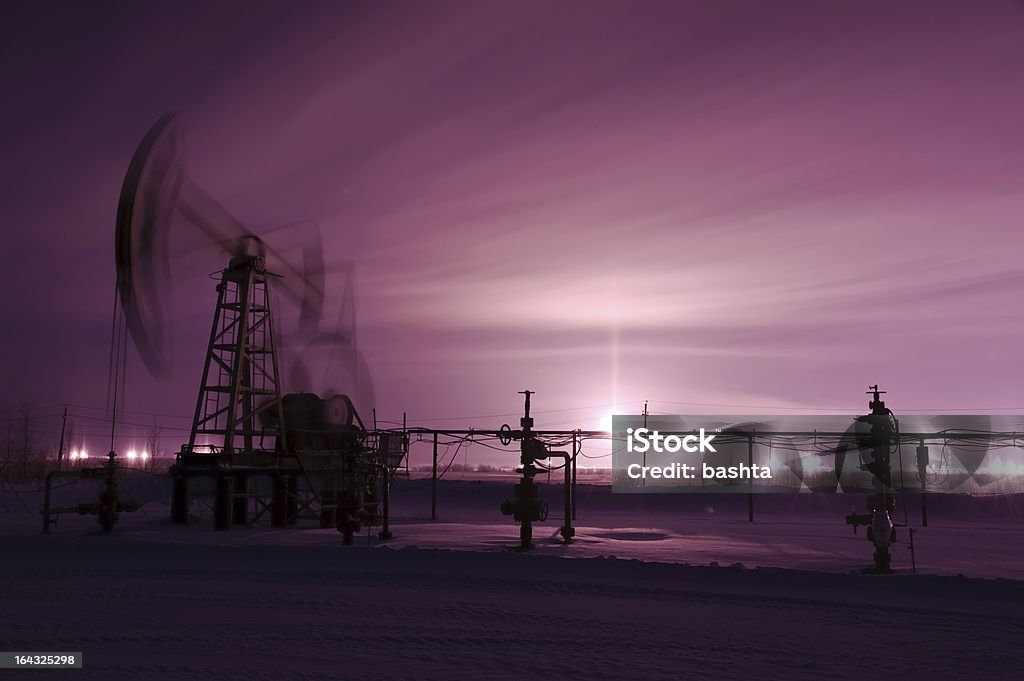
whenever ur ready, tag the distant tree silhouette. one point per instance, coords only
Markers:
(27, 443)
(153, 444)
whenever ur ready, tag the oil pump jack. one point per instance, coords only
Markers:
(247, 431)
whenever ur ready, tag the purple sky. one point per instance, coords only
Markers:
(728, 203)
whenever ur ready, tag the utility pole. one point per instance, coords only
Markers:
(60, 447)
(643, 480)
(433, 483)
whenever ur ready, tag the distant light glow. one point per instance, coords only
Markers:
(144, 455)
(132, 455)
(606, 422)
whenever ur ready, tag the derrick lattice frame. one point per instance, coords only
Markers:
(241, 380)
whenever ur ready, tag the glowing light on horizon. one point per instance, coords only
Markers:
(605, 425)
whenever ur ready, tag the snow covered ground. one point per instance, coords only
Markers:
(636, 597)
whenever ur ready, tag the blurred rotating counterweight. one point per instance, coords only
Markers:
(159, 202)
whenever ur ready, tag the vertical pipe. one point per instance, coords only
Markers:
(385, 532)
(750, 463)
(574, 454)
(279, 501)
(913, 555)
(922, 473)
(433, 484)
(108, 497)
(924, 505)
(179, 496)
(240, 500)
(46, 505)
(293, 499)
(222, 503)
(405, 445)
(567, 512)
